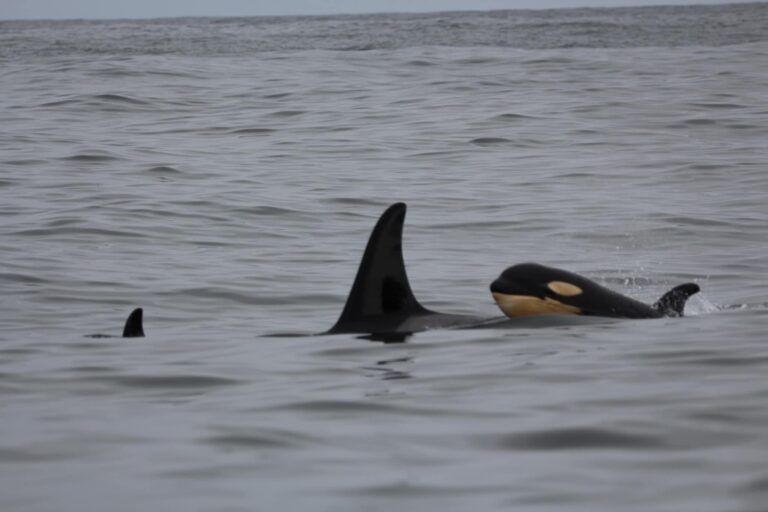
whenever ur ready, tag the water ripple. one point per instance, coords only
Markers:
(581, 438)
(92, 157)
(490, 141)
(161, 382)
(258, 438)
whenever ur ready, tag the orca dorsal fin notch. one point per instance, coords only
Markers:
(134, 325)
(381, 288)
(673, 302)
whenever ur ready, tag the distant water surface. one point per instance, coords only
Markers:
(225, 174)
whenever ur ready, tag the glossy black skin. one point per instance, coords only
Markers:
(382, 305)
(381, 299)
(531, 279)
(134, 325)
(133, 328)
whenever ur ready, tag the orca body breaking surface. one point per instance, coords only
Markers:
(530, 289)
(134, 324)
(381, 301)
(133, 328)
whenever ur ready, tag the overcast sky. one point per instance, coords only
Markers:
(63, 9)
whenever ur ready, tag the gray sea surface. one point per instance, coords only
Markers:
(224, 174)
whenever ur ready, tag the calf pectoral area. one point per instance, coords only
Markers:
(528, 305)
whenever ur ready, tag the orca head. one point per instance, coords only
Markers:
(530, 289)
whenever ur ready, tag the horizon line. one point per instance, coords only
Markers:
(682, 3)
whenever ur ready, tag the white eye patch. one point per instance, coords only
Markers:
(564, 289)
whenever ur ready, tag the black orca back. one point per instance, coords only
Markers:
(381, 295)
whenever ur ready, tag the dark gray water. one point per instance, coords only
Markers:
(225, 173)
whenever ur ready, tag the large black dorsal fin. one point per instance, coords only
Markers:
(381, 288)
(134, 325)
(673, 302)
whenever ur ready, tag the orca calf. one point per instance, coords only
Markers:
(530, 289)
(134, 326)
(382, 305)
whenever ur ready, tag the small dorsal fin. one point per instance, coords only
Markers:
(381, 287)
(672, 303)
(134, 325)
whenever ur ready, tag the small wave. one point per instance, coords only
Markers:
(22, 278)
(253, 131)
(63, 222)
(677, 354)
(77, 231)
(702, 358)
(96, 99)
(699, 121)
(93, 369)
(259, 438)
(576, 439)
(743, 126)
(92, 346)
(287, 335)
(229, 295)
(694, 221)
(419, 63)
(552, 60)
(511, 117)
(163, 170)
(166, 381)
(350, 406)
(700, 305)
(726, 361)
(384, 373)
(91, 157)
(758, 486)
(204, 131)
(706, 167)
(751, 306)
(26, 161)
(178, 74)
(60, 103)
(267, 211)
(288, 113)
(400, 490)
(338, 406)
(362, 48)
(477, 60)
(18, 351)
(35, 454)
(498, 224)
(489, 141)
(117, 98)
(702, 121)
(435, 154)
(352, 201)
(716, 105)
(570, 175)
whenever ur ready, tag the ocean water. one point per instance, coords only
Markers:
(224, 174)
